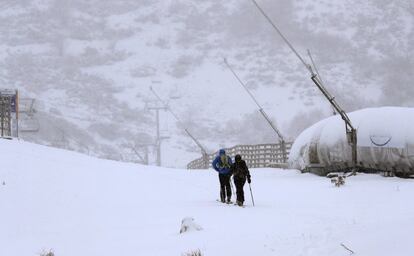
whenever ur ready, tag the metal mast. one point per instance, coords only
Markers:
(320, 78)
(203, 151)
(266, 117)
(350, 130)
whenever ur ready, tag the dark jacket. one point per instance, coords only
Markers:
(239, 169)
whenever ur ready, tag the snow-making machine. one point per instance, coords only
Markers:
(282, 140)
(383, 143)
(351, 133)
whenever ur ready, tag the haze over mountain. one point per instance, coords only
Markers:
(89, 65)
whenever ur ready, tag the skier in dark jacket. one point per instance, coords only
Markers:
(222, 164)
(240, 174)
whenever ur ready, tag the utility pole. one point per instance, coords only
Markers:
(266, 117)
(351, 132)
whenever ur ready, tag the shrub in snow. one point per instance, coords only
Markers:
(338, 181)
(193, 253)
(337, 178)
(188, 224)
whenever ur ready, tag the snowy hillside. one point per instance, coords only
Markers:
(78, 205)
(89, 66)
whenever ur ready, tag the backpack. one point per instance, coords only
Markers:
(224, 162)
(239, 169)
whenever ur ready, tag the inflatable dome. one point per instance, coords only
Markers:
(385, 143)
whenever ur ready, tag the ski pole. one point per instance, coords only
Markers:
(231, 184)
(251, 193)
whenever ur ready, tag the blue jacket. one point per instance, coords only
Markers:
(218, 165)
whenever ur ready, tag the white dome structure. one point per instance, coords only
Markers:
(385, 143)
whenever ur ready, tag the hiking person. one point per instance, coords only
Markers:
(222, 164)
(240, 174)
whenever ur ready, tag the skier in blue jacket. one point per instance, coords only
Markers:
(222, 164)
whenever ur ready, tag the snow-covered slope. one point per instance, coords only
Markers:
(78, 205)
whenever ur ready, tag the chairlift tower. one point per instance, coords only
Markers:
(159, 137)
(9, 113)
(5, 116)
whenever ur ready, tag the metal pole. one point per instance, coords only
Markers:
(146, 155)
(9, 121)
(282, 36)
(157, 111)
(2, 114)
(159, 138)
(232, 187)
(242, 84)
(266, 117)
(17, 113)
(350, 130)
(251, 193)
(319, 76)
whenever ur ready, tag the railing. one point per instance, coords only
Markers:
(256, 156)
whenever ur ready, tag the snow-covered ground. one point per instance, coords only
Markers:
(78, 205)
